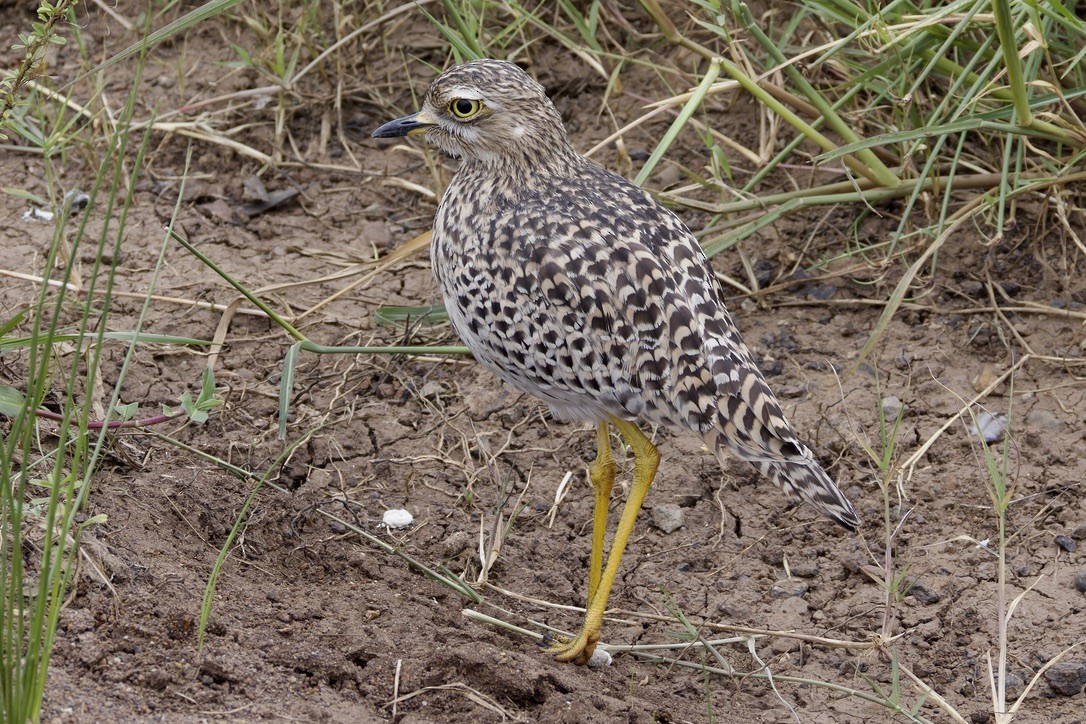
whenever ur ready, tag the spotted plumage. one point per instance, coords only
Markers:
(578, 287)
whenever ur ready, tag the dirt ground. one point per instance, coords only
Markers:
(313, 623)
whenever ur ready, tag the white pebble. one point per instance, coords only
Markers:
(988, 426)
(398, 518)
(600, 658)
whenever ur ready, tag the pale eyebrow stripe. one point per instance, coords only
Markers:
(465, 92)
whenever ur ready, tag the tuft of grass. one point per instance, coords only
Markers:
(49, 457)
(908, 91)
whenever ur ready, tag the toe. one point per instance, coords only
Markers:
(579, 650)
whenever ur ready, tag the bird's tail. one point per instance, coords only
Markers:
(749, 421)
(805, 480)
(789, 464)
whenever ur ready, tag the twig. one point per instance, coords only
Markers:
(396, 688)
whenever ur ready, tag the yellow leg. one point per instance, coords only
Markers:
(602, 477)
(646, 460)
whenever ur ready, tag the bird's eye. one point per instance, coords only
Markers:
(465, 107)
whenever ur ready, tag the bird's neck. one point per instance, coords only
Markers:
(513, 174)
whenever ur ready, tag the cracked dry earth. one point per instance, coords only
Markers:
(313, 623)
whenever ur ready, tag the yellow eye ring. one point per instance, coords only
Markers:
(464, 107)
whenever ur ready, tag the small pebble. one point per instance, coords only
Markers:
(984, 379)
(398, 518)
(431, 390)
(891, 406)
(1068, 678)
(1080, 581)
(821, 292)
(792, 606)
(1066, 543)
(456, 544)
(600, 659)
(924, 595)
(1040, 419)
(668, 517)
(988, 426)
(788, 587)
(803, 569)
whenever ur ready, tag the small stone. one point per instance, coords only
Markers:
(788, 587)
(821, 292)
(803, 569)
(794, 606)
(600, 659)
(1066, 543)
(789, 392)
(1080, 581)
(376, 233)
(984, 379)
(398, 518)
(456, 544)
(891, 407)
(668, 517)
(217, 671)
(1067, 678)
(1079, 533)
(1041, 419)
(924, 595)
(431, 390)
(988, 426)
(1015, 683)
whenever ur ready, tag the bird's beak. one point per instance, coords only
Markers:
(411, 125)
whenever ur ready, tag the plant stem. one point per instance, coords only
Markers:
(1015, 79)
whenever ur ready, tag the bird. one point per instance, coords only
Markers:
(576, 286)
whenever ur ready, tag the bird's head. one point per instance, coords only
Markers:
(485, 110)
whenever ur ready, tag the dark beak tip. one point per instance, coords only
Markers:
(400, 127)
(389, 130)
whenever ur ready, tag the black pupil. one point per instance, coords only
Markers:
(464, 107)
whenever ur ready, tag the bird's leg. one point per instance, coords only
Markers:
(646, 460)
(602, 477)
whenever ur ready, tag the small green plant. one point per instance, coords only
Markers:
(34, 45)
(120, 416)
(49, 459)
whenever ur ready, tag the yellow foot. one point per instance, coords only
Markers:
(578, 650)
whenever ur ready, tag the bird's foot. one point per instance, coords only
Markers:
(578, 650)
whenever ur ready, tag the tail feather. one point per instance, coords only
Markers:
(807, 481)
(749, 421)
(779, 456)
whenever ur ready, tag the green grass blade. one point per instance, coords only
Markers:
(431, 314)
(186, 21)
(680, 122)
(286, 387)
